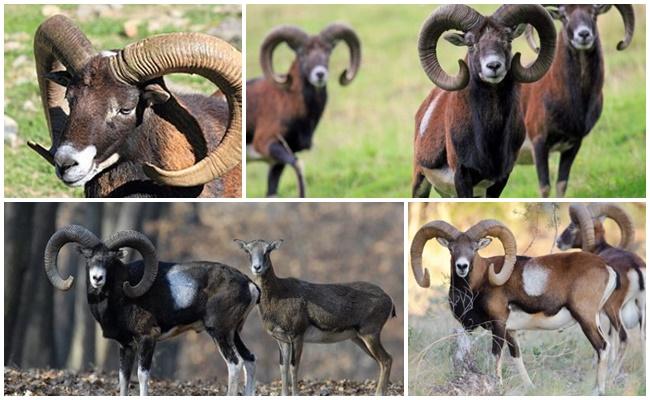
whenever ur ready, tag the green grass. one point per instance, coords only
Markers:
(363, 144)
(558, 362)
(26, 173)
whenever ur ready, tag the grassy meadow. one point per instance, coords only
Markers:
(558, 362)
(26, 173)
(363, 144)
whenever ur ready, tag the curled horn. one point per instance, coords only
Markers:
(71, 233)
(192, 53)
(513, 15)
(337, 31)
(449, 17)
(143, 245)
(292, 36)
(434, 229)
(619, 216)
(498, 230)
(582, 217)
(58, 45)
(627, 12)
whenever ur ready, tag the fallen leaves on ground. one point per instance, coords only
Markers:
(47, 382)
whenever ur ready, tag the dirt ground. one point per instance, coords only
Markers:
(48, 382)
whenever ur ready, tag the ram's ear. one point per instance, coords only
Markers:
(602, 8)
(84, 251)
(554, 12)
(155, 93)
(241, 244)
(121, 253)
(457, 39)
(62, 78)
(274, 245)
(443, 242)
(483, 243)
(519, 30)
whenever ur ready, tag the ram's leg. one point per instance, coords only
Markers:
(421, 187)
(515, 353)
(622, 345)
(127, 356)
(385, 361)
(275, 171)
(540, 154)
(592, 329)
(609, 325)
(299, 168)
(639, 303)
(249, 365)
(495, 190)
(498, 341)
(285, 360)
(296, 354)
(463, 182)
(566, 161)
(225, 343)
(146, 348)
(282, 154)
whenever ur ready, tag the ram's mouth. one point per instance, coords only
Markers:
(582, 44)
(75, 177)
(492, 78)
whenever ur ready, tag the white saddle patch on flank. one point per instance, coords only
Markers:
(424, 124)
(535, 278)
(182, 286)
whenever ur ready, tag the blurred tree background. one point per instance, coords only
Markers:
(47, 328)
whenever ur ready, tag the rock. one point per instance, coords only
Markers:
(28, 105)
(89, 11)
(227, 9)
(13, 46)
(20, 60)
(11, 132)
(130, 28)
(229, 30)
(175, 13)
(50, 9)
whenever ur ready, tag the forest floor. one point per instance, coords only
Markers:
(47, 382)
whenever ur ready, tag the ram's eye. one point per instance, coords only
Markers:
(126, 111)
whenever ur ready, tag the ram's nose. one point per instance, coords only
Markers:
(584, 34)
(494, 65)
(64, 163)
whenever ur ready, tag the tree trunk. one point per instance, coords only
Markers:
(36, 332)
(18, 232)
